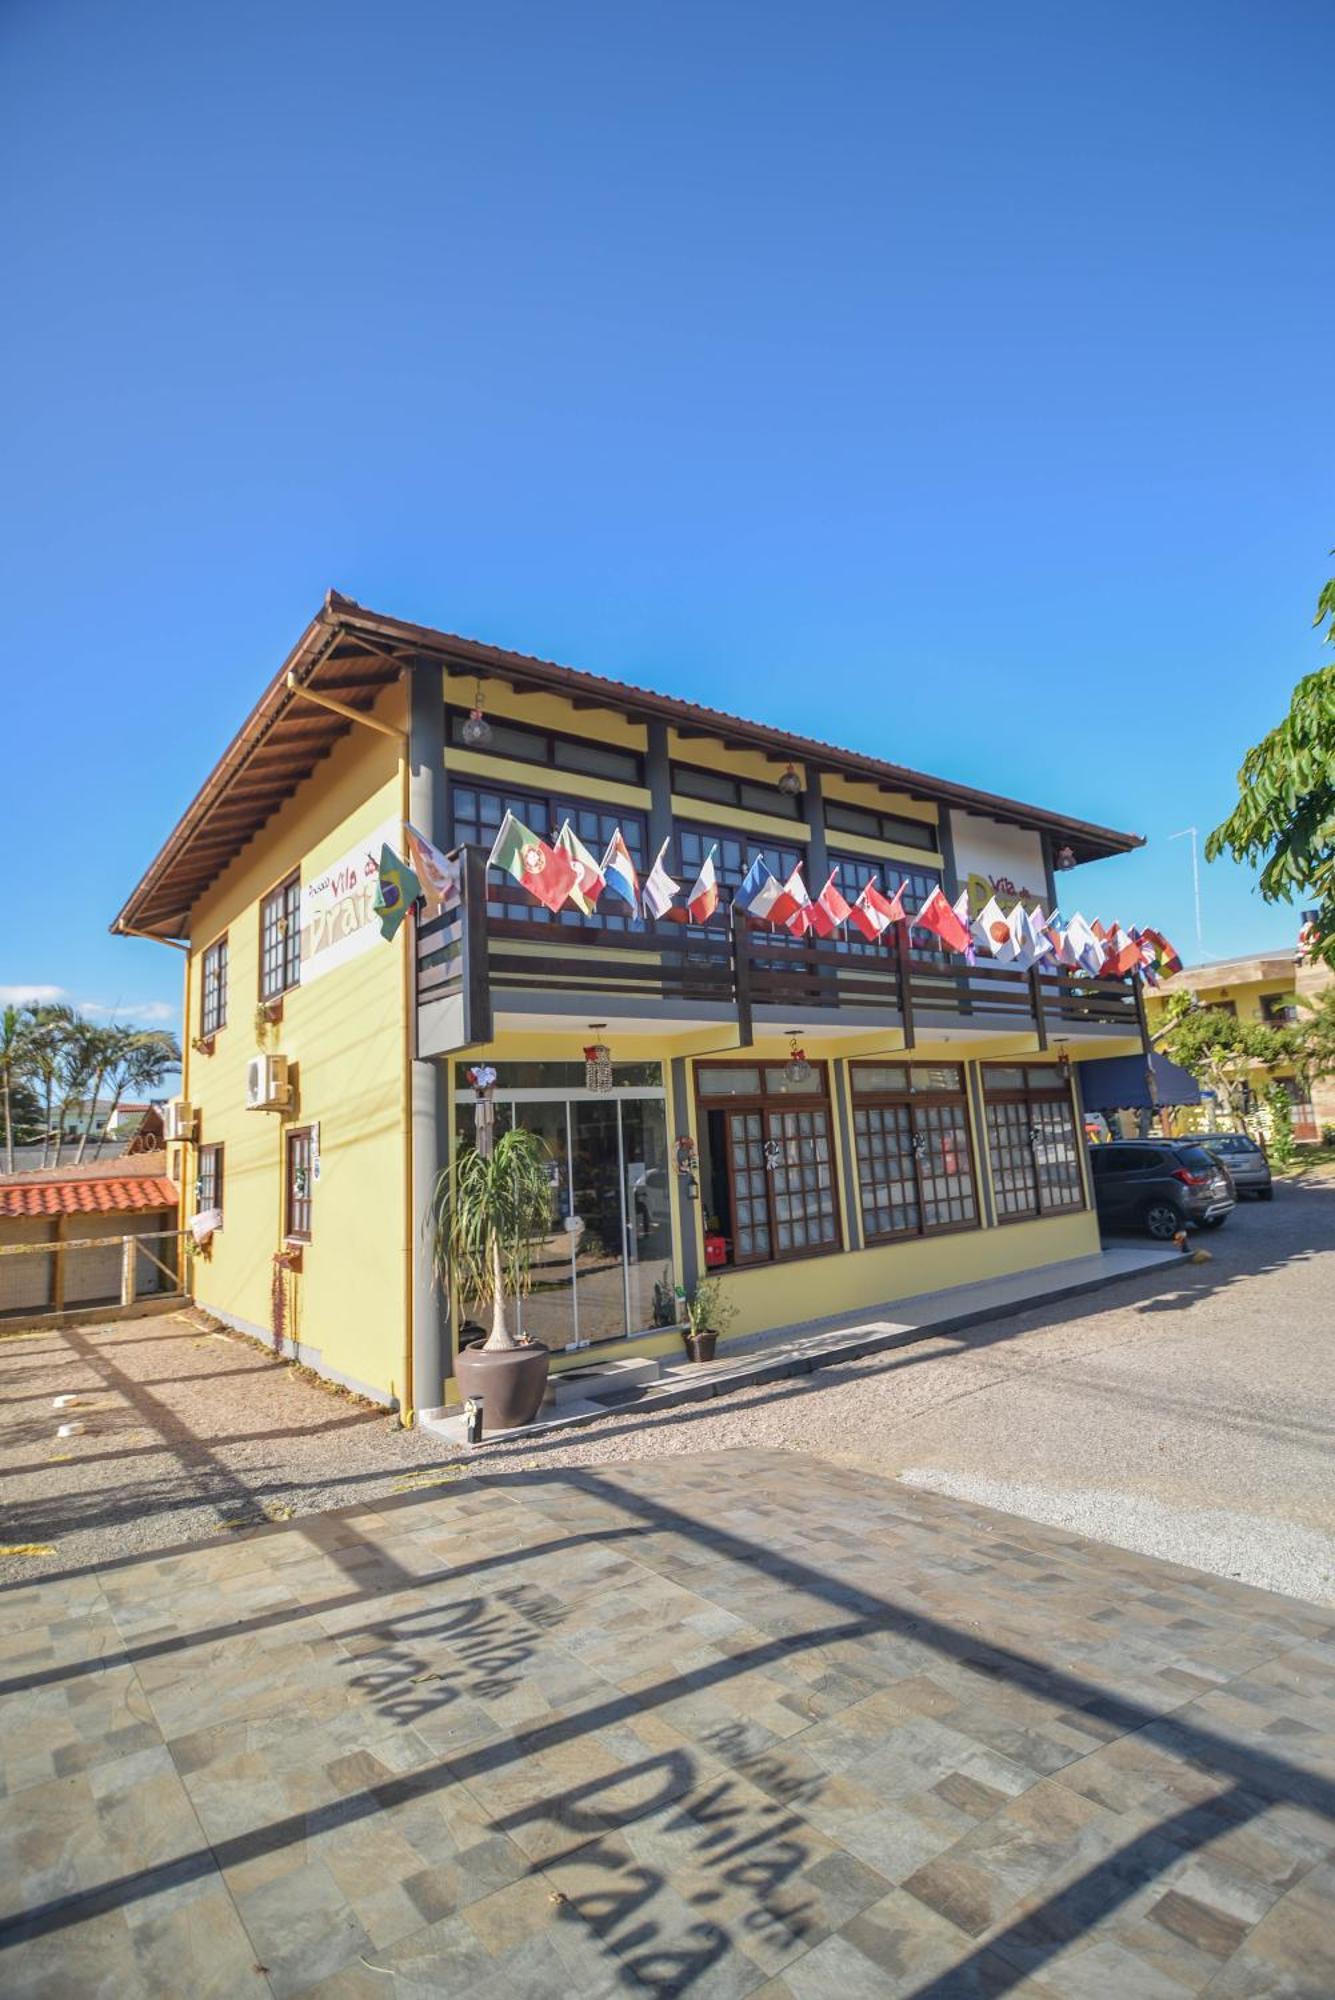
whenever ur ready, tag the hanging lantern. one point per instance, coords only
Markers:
(598, 1065)
(476, 731)
(483, 1079)
(797, 1069)
(790, 784)
(1064, 858)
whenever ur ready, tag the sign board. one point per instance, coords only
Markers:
(338, 919)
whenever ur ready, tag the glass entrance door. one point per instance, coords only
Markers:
(604, 1267)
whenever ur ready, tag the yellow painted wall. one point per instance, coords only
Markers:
(546, 711)
(346, 1033)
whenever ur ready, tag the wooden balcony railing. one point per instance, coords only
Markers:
(468, 959)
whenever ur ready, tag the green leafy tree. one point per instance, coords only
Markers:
(487, 1215)
(1284, 820)
(1280, 1107)
(1230, 1057)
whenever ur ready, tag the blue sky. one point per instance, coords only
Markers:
(949, 381)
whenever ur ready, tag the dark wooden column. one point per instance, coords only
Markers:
(429, 811)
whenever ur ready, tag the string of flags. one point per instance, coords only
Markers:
(563, 872)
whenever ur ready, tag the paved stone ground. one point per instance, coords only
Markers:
(1188, 1414)
(722, 1725)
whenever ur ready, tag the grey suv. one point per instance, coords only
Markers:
(1159, 1187)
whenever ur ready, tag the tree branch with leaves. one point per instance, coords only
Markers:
(1284, 821)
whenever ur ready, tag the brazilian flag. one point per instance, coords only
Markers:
(396, 892)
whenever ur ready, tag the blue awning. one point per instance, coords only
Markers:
(1119, 1083)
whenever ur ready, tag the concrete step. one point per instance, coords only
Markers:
(601, 1378)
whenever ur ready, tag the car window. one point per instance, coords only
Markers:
(1194, 1157)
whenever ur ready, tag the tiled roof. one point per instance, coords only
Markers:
(353, 655)
(100, 1194)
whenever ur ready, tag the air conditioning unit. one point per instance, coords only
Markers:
(267, 1087)
(179, 1124)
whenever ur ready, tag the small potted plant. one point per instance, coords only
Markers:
(709, 1313)
(491, 1208)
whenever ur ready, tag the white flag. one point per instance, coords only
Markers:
(1087, 949)
(992, 931)
(659, 887)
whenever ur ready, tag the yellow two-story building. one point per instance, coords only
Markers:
(1258, 989)
(825, 1125)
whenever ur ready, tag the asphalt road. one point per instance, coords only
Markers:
(1190, 1417)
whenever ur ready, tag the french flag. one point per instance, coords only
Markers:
(618, 873)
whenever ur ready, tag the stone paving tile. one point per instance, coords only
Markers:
(740, 1725)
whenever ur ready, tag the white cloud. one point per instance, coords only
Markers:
(132, 1013)
(30, 996)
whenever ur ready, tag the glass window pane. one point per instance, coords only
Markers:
(886, 1079)
(729, 1080)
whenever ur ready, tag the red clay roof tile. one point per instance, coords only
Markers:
(126, 1195)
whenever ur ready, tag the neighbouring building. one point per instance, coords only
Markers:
(1261, 989)
(827, 1127)
(63, 1231)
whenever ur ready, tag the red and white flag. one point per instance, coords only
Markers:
(830, 909)
(798, 920)
(703, 899)
(870, 913)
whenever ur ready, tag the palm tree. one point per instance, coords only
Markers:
(15, 1060)
(486, 1216)
(103, 1047)
(48, 1023)
(76, 1063)
(145, 1057)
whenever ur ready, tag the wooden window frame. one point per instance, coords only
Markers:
(287, 895)
(292, 1201)
(821, 1100)
(911, 1099)
(215, 954)
(768, 800)
(457, 714)
(1060, 1092)
(892, 828)
(215, 1155)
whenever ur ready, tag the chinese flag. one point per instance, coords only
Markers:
(937, 916)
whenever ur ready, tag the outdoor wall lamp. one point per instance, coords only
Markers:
(1064, 858)
(790, 784)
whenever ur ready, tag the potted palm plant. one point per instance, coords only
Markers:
(709, 1312)
(488, 1211)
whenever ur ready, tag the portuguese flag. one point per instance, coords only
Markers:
(548, 873)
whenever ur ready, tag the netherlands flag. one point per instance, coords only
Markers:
(618, 873)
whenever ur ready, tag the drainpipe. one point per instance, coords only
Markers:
(428, 1360)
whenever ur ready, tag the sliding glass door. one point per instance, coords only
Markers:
(604, 1269)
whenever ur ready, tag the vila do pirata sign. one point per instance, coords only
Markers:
(338, 919)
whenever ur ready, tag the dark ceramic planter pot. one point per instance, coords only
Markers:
(510, 1383)
(699, 1346)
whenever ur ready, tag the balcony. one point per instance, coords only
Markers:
(480, 971)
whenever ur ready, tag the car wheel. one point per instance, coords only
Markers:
(1163, 1221)
(1265, 1194)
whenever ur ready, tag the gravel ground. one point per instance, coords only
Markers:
(188, 1432)
(1191, 1418)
